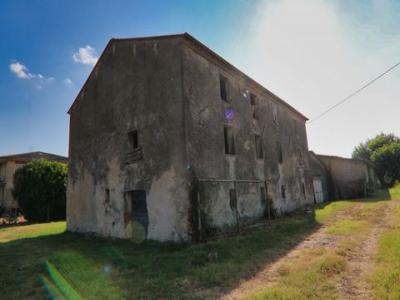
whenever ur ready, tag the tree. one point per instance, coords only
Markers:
(383, 152)
(40, 188)
(387, 163)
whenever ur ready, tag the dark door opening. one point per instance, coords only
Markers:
(138, 213)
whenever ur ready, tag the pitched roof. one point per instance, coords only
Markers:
(200, 46)
(26, 157)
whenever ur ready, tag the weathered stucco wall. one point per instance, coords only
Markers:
(206, 114)
(135, 86)
(170, 93)
(348, 178)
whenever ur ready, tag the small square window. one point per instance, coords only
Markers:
(223, 88)
(133, 139)
(259, 146)
(229, 140)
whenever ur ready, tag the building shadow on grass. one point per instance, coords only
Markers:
(88, 267)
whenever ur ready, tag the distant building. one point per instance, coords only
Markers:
(8, 165)
(320, 177)
(340, 178)
(169, 141)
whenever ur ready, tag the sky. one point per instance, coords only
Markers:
(311, 53)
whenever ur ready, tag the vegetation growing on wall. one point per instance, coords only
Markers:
(384, 152)
(40, 188)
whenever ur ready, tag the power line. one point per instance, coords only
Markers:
(354, 93)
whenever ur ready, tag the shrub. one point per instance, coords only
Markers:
(40, 188)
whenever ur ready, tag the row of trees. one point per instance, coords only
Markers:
(40, 188)
(383, 151)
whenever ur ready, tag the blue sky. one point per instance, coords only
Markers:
(311, 53)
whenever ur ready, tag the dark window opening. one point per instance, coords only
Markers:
(283, 192)
(223, 89)
(259, 147)
(138, 213)
(280, 154)
(253, 99)
(263, 196)
(303, 188)
(232, 199)
(107, 196)
(133, 139)
(229, 140)
(275, 115)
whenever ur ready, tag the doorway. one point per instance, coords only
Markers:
(137, 214)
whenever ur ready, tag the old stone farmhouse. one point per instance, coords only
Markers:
(169, 141)
(8, 165)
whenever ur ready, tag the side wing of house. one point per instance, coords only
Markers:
(348, 177)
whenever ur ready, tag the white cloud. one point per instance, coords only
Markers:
(20, 70)
(68, 82)
(86, 55)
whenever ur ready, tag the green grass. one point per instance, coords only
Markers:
(347, 227)
(8, 234)
(386, 278)
(309, 277)
(327, 211)
(42, 261)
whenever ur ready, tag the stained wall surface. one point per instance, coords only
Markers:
(348, 178)
(136, 86)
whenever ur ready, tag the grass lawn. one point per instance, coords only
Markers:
(43, 261)
(386, 278)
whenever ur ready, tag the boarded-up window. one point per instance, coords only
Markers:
(223, 88)
(229, 140)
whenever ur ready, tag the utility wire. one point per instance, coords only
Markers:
(354, 93)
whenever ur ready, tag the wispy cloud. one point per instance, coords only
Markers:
(86, 55)
(22, 72)
(68, 82)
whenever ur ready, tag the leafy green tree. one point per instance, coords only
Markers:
(383, 152)
(40, 188)
(387, 163)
